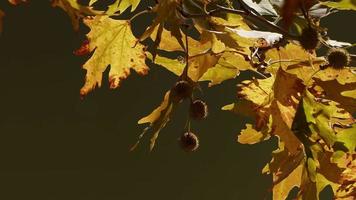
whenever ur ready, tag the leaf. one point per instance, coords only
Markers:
(269, 37)
(277, 98)
(169, 43)
(286, 170)
(75, 10)
(263, 7)
(113, 44)
(338, 44)
(157, 119)
(341, 5)
(325, 118)
(166, 13)
(282, 189)
(348, 138)
(249, 135)
(349, 93)
(342, 76)
(335, 91)
(119, 6)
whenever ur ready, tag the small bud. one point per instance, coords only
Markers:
(309, 39)
(198, 110)
(182, 89)
(189, 142)
(338, 58)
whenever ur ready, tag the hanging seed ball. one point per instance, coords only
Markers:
(189, 142)
(182, 89)
(338, 58)
(198, 110)
(309, 39)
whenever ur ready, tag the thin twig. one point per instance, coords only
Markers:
(141, 13)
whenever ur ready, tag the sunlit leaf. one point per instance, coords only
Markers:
(341, 5)
(113, 44)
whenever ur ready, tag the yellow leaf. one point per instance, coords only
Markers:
(157, 119)
(113, 44)
(343, 94)
(343, 76)
(156, 114)
(249, 135)
(282, 189)
(170, 43)
(119, 6)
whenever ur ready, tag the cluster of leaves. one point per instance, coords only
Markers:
(304, 99)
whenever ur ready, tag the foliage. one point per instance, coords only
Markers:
(298, 94)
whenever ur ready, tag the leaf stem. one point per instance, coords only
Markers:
(185, 71)
(140, 13)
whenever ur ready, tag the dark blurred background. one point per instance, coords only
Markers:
(55, 146)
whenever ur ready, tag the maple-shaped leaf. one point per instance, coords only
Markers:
(166, 13)
(113, 44)
(167, 42)
(275, 98)
(75, 10)
(218, 32)
(158, 119)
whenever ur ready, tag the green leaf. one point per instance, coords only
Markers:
(341, 5)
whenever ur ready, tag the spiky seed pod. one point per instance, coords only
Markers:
(198, 110)
(189, 142)
(338, 58)
(182, 89)
(309, 39)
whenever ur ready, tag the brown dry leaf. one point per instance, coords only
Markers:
(113, 44)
